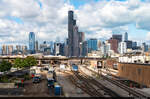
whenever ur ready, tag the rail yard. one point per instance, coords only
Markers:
(75, 80)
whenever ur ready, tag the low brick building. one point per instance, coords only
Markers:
(136, 72)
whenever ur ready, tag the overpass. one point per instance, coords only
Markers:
(50, 59)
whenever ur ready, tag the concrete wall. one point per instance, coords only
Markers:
(136, 72)
(7, 85)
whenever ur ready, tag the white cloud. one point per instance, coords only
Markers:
(98, 19)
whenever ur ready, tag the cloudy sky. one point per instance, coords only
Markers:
(97, 18)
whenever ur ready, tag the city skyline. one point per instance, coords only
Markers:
(15, 24)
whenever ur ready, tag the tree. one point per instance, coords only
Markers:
(5, 66)
(18, 63)
(27, 62)
(31, 61)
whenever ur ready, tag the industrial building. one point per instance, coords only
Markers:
(135, 72)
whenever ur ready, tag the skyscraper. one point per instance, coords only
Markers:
(10, 49)
(24, 49)
(117, 37)
(18, 48)
(92, 45)
(75, 38)
(71, 23)
(75, 51)
(84, 48)
(32, 42)
(125, 36)
(4, 49)
(36, 46)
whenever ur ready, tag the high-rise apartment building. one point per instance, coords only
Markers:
(104, 49)
(24, 49)
(114, 44)
(122, 47)
(18, 49)
(4, 49)
(10, 49)
(32, 42)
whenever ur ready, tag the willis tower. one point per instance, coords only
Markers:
(71, 24)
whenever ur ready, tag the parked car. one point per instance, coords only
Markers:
(36, 80)
(38, 75)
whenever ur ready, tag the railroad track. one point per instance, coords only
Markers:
(126, 88)
(91, 90)
(83, 84)
(101, 86)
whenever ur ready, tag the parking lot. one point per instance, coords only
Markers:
(38, 89)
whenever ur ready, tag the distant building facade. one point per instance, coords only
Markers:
(75, 38)
(32, 42)
(10, 49)
(4, 49)
(122, 47)
(114, 44)
(129, 44)
(125, 36)
(117, 37)
(92, 45)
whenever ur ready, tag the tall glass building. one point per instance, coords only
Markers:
(92, 45)
(125, 36)
(32, 42)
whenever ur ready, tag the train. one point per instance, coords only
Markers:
(99, 64)
(74, 67)
(51, 77)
